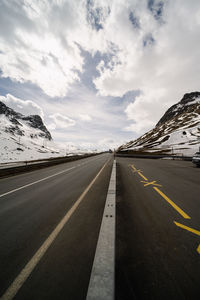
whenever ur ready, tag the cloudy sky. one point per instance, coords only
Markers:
(99, 72)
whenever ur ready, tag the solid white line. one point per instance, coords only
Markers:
(27, 270)
(45, 178)
(29, 184)
(101, 286)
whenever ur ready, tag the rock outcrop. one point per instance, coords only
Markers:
(177, 132)
(187, 104)
(34, 121)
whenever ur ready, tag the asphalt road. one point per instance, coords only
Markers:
(51, 241)
(29, 213)
(157, 258)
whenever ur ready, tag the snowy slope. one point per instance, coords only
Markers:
(24, 137)
(177, 132)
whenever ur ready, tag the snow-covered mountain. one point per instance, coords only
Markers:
(24, 137)
(177, 132)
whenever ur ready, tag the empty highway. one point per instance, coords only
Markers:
(158, 229)
(51, 219)
(32, 205)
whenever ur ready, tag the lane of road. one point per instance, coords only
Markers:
(18, 180)
(157, 239)
(29, 215)
(157, 228)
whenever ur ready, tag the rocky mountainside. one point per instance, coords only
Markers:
(24, 137)
(17, 120)
(177, 132)
(188, 104)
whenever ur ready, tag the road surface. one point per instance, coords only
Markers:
(31, 206)
(156, 257)
(51, 218)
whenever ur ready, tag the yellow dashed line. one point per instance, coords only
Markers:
(178, 209)
(188, 229)
(197, 232)
(142, 176)
(139, 172)
(136, 171)
(151, 183)
(146, 183)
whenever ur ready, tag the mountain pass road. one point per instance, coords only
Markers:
(158, 229)
(51, 248)
(51, 221)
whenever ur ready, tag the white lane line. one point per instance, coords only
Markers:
(29, 184)
(101, 286)
(45, 178)
(27, 270)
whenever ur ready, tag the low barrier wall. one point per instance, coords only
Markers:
(156, 156)
(34, 165)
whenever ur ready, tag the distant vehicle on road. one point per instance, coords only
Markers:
(196, 159)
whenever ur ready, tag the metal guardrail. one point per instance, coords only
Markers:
(156, 156)
(34, 165)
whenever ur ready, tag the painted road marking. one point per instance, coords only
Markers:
(40, 180)
(132, 166)
(142, 176)
(138, 171)
(176, 207)
(101, 286)
(197, 232)
(187, 228)
(151, 183)
(37, 181)
(146, 183)
(134, 169)
(27, 270)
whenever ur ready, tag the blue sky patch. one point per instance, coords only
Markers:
(148, 40)
(134, 20)
(96, 15)
(156, 8)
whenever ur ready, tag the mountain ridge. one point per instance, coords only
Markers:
(34, 121)
(179, 107)
(177, 132)
(24, 137)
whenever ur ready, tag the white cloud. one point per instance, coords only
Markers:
(109, 143)
(34, 48)
(145, 111)
(163, 70)
(85, 117)
(38, 49)
(60, 121)
(102, 145)
(51, 126)
(69, 147)
(151, 49)
(25, 107)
